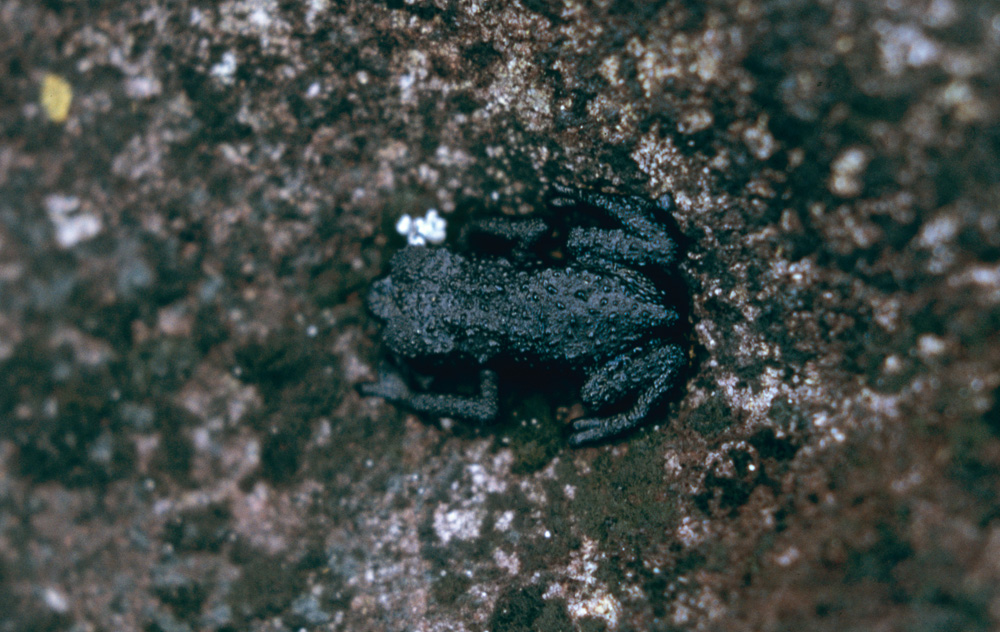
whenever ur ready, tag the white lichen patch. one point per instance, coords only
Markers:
(964, 101)
(759, 139)
(700, 608)
(708, 334)
(600, 605)
(847, 171)
(504, 521)
(255, 18)
(417, 72)
(660, 159)
(225, 69)
(55, 599)
(694, 121)
(585, 595)
(691, 532)
(490, 480)
(72, 225)
(905, 46)
(886, 312)
(985, 282)
(788, 557)
(315, 9)
(617, 122)
(507, 561)
(757, 404)
(462, 517)
(930, 346)
(421, 230)
(517, 87)
(142, 87)
(878, 405)
(457, 524)
(801, 273)
(938, 236)
(216, 396)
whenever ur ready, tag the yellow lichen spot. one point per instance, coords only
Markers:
(56, 95)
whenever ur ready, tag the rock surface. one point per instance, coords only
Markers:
(194, 196)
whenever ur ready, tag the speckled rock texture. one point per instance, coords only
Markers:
(194, 197)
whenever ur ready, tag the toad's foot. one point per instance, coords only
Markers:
(482, 407)
(390, 386)
(654, 372)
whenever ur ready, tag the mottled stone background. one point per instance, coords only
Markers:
(183, 253)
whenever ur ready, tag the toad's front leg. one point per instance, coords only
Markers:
(482, 407)
(649, 372)
(522, 234)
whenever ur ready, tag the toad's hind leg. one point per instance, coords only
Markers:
(650, 373)
(482, 407)
(642, 240)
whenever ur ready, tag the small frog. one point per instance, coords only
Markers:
(596, 309)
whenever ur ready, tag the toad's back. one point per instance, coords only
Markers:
(568, 314)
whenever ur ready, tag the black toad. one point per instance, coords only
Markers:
(596, 311)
